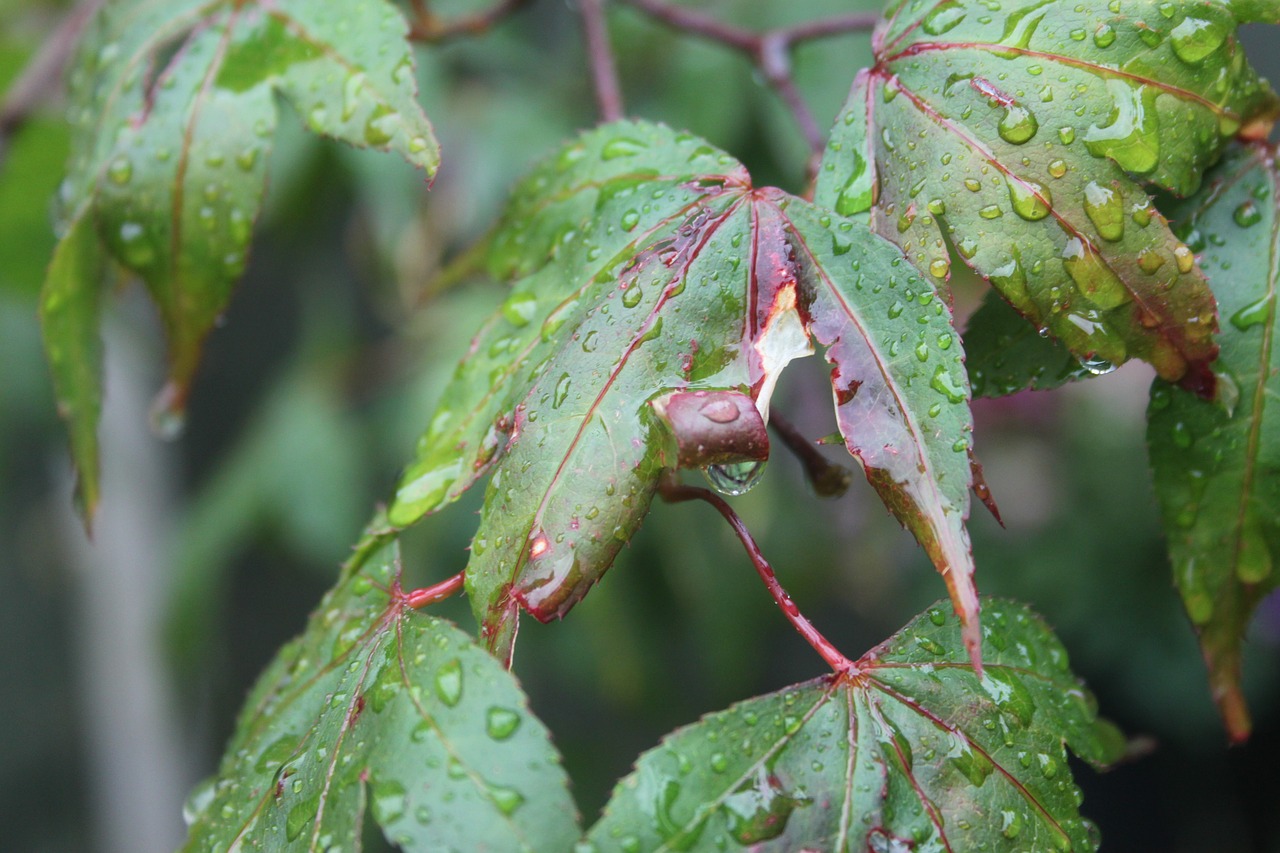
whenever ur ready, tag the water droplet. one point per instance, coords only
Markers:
(1130, 136)
(855, 195)
(501, 723)
(1185, 257)
(1104, 36)
(939, 267)
(1181, 434)
(199, 800)
(351, 99)
(380, 128)
(621, 147)
(1150, 260)
(735, 478)
(944, 18)
(1195, 38)
(1017, 125)
(1254, 314)
(519, 308)
(506, 799)
(1247, 214)
(1010, 823)
(930, 646)
(1091, 274)
(937, 617)
(632, 295)
(561, 392)
(120, 171)
(300, 817)
(387, 800)
(946, 386)
(1105, 209)
(1058, 168)
(1096, 366)
(990, 211)
(449, 682)
(759, 810)
(1031, 200)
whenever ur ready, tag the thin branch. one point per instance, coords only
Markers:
(828, 479)
(42, 77)
(770, 51)
(604, 72)
(674, 492)
(419, 598)
(426, 26)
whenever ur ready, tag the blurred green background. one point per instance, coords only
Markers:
(123, 663)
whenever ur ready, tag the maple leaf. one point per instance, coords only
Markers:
(1022, 137)
(173, 110)
(910, 751)
(645, 264)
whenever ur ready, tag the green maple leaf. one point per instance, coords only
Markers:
(173, 107)
(1023, 136)
(1217, 463)
(912, 751)
(377, 708)
(645, 264)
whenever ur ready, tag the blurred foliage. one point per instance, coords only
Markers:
(335, 348)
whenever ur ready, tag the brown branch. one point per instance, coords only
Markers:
(604, 72)
(42, 77)
(426, 26)
(828, 479)
(674, 492)
(770, 51)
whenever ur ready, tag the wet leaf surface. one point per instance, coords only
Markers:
(914, 752)
(1022, 137)
(173, 111)
(1217, 463)
(644, 263)
(378, 709)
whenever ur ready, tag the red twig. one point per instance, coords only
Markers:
(424, 25)
(419, 598)
(674, 492)
(604, 72)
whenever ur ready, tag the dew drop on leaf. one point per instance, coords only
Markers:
(1247, 214)
(1105, 210)
(501, 723)
(944, 18)
(1254, 314)
(1017, 125)
(449, 682)
(1030, 200)
(1195, 38)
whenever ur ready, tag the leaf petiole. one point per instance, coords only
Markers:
(428, 595)
(674, 491)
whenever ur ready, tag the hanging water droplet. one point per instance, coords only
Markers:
(1096, 366)
(735, 478)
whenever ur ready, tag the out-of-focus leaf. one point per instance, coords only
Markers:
(645, 263)
(377, 707)
(32, 167)
(70, 312)
(173, 108)
(912, 751)
(1021, 135)
(1217, 464)
(1005, 354)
